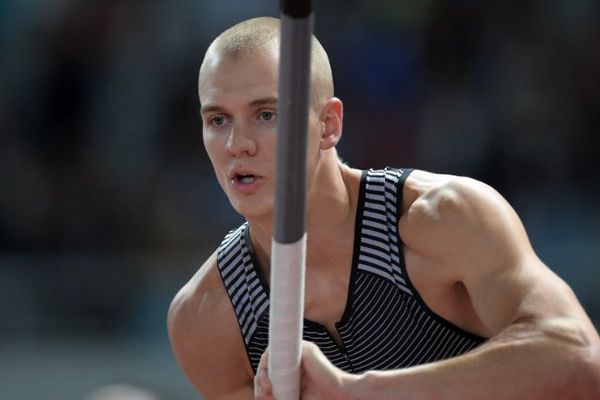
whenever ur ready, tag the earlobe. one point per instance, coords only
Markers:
(332, 116)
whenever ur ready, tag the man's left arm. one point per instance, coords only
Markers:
(543, 345)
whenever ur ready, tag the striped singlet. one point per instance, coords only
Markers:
(385, 325)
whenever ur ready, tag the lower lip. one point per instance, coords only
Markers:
(246, 188)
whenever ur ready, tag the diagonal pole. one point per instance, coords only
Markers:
(288, 251)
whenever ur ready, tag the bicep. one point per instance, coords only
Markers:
(214, 370)
(505, 279)
(208, 346)
(524, 291)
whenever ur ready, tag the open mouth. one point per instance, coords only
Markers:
(245, 179)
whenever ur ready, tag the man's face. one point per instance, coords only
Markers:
(239, 114)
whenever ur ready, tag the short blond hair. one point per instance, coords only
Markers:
(258, 34)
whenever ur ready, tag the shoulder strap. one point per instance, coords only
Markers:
(247, 295)
(380, 246)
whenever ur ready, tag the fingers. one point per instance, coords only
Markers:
(311, 354)
(262, 384)
(320, 377)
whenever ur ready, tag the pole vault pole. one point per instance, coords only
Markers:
(288, 251)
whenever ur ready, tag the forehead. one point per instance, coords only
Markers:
(225, 78)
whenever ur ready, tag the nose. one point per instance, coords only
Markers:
(240, 141)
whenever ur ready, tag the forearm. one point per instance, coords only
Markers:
(520, 363)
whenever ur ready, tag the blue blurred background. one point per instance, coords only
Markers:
(108, 202)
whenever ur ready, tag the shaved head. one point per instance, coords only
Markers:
(262, 34)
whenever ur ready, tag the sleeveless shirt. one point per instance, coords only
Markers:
(385, 325)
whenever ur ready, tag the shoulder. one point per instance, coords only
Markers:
(441, 195)
(454, 216)
(205, 336)
(190, 302)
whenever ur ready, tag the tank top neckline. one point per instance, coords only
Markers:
(353, 268)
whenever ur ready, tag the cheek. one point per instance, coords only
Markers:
(215, 154)
(212, 146)
(219, 170)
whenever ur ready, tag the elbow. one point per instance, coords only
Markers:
(578, 362)
(584, 377)
(590, 369)
(589, 365)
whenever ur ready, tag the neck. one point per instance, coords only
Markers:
(331, 207)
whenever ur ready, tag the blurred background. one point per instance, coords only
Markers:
(108, 203)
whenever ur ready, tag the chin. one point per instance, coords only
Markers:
(252, 210)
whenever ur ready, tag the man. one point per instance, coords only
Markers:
(429, 277)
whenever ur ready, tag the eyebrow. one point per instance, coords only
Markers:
(264, 102)
(255, 103)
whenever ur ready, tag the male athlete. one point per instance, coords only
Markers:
(418, 285)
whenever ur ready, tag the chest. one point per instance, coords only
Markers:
(327, 296)
(384, 327)
(331, 297)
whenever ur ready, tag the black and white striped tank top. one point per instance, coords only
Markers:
(386, 324)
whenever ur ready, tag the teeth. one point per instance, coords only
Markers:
(246, 179)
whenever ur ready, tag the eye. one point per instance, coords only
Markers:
(218, 120)
(267, 116)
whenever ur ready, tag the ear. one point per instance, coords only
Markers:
(331, 120)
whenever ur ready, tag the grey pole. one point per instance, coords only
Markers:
(288, 250)
(294, 99)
